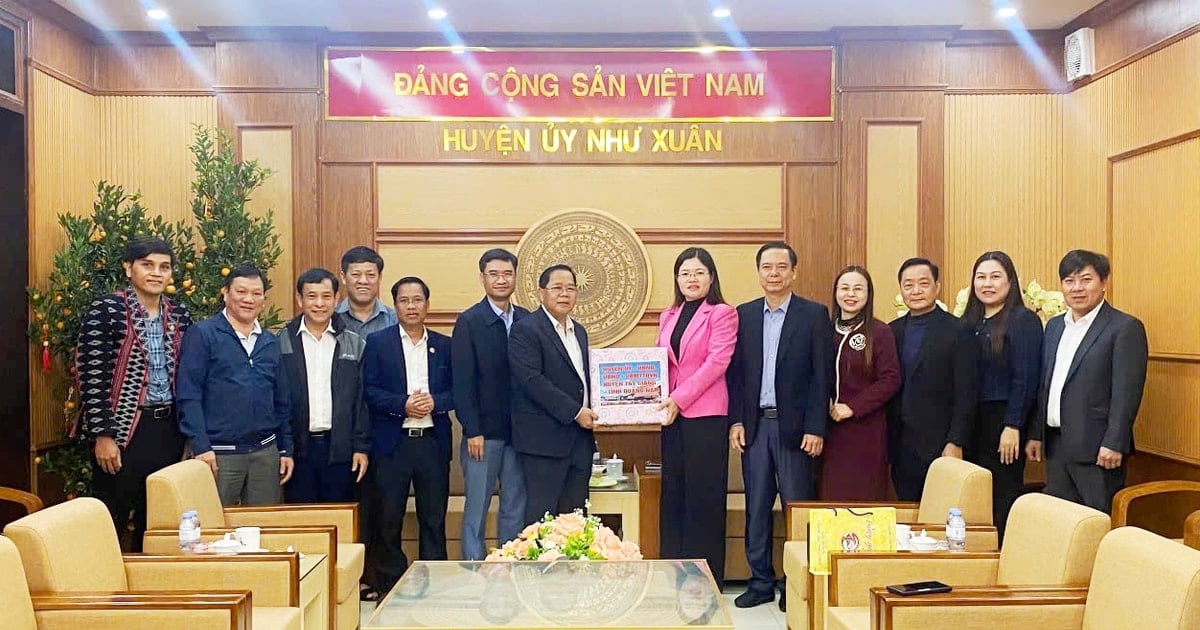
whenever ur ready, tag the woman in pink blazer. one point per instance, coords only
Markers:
(699, 332)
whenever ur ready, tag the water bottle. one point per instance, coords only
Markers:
(956, 531)
(189, 530)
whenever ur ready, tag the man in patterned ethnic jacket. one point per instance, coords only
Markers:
(128, 349)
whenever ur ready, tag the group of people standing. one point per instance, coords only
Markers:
(351, 400)
(843, 407)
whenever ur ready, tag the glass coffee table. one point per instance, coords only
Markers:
(639, 594)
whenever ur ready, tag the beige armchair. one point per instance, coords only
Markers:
(1049, 542)
(949, 483)
(71, 550)
(327, 528)
(1140, 580)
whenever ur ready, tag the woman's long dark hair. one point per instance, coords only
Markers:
(1013, 301)
(866, 316)
(706, 259)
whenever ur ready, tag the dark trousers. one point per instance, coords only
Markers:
(769, 469)
(695, 478)
(421, 462)
(908, 474)
(1008, 480)
(315, 480)
(557, 484)
(1080, 482)
(156, 444)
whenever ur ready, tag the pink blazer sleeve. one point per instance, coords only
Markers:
(697, 377)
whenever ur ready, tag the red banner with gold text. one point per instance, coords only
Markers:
(698, 85)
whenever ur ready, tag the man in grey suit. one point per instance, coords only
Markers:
(1094, 367)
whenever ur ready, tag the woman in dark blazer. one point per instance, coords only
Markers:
(1010, 344)
(699, 332)
(854, 464)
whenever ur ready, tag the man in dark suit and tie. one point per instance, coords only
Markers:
(551, 416)
(779, 391)
(407, 383)
(483, 404)
(939, 360)
(1094, 368)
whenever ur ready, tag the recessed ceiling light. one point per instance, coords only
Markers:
(1006, 12)
(157, 14)
(720, 12)
(437, 13)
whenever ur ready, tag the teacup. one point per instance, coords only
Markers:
(903, 536)
(923, 543)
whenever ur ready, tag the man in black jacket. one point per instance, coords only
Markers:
(331, 429)
(552, 417)
(931, 416)
(482, 404)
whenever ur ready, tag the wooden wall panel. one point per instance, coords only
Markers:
(1156, 225)
(353, 141)
(144, 144)
(266, 64)
(474, 197)
(347, 211)
(923, 108)
(885, 64)
(272, 148)
(1004, 188)
(1166, 423)
(1004, 68)
(154, 69)
(813, 225)
(1140, 27)
(893, 182)
(61, 51)
(299, 112)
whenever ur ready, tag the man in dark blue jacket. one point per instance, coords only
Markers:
(330, 425)
(234, 403)
(481, 402)
(407, 384)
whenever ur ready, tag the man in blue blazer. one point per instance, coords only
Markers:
(552, 417)
(779, 392)
(483, 404)
(407, 383)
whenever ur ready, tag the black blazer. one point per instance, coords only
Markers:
(482, 383)
(937, 403)
(546, 391)
(1103, 391)
(803, 370)
(351, 432)
(385, 388)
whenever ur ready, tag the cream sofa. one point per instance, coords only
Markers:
(1048, 542)
(71, 549)
(1139, 580)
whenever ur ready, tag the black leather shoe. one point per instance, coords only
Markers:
(783, 600)
(750, 599)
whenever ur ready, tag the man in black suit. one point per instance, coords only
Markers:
(407, 381)
(482, 385)
(779, 391)
(931, 416)
(551, 416)
(1094, 368)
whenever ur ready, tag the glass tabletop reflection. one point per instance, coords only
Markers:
(637, 594)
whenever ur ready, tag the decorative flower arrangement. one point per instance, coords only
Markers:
(571, 536)
(1045, 304)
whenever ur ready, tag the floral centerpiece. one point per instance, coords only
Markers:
(573, 536)
(1045, 304)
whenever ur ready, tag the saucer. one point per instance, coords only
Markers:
(602, 482)
(619, 479)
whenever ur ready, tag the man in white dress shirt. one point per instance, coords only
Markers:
(552, 418)
(1093, 371)
(331, 430)
(407, 384)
